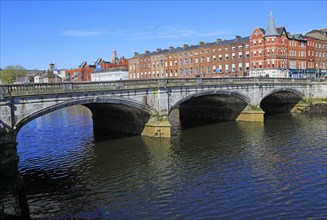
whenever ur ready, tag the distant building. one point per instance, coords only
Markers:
(84, 71)
(317, 51)
(270, 52)
(49, 76)
(112, 74)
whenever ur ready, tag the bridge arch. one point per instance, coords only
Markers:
(85, 102)
(210, 107)
(281, 100)
(236, 94)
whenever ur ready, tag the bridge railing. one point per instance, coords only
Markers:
(70, 87)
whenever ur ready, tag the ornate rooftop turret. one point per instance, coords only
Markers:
(271, 28)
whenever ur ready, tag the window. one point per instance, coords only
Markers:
(214, 58)
(181, 72)
(254, 53)
(247, 66)
(233, 67)
(202, 70)
(196, 60)
(260, 53)
(260, 42)
(180, 62)
(254, 43)
(186, 71)
(239, 54)
(185, 61)
(226, 56)
(247, 54)
(208, 59)
(191, 60)
(208, 69)
(233, 48)
(191, 71)
(233, 56)
(226, 68)
(196, 70)
(202, 59)
(220, 57)
(260, 65)
(240, 67)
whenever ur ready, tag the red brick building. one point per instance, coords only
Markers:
(270, 52)
(317, 51)
(274, 51)
(207, 60)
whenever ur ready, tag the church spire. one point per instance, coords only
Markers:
(114, 56)
(271, 28)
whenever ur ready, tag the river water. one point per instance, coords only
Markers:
(228, 170)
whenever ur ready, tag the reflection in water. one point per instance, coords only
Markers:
(225, 170)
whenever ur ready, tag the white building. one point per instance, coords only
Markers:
(112, 74)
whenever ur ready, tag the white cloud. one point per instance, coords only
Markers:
(79, 33)
(169, 32)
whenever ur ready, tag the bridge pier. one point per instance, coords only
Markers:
(8, 149)
(251, 113)
(158, 127)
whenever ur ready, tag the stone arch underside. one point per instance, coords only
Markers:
(210, 107)
(112, 117)
(280, 100)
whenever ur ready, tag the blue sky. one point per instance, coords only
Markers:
(36, 33)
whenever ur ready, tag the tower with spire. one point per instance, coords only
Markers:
(114, 59)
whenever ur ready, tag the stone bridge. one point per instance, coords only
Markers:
(135, 107)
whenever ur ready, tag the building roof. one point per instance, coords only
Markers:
(299, 37)
(318, 34)
(271, 28)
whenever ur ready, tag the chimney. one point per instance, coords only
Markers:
(158, 49)
(185, 45)
(171, 48)
(201, 43)
(237, 37)
(135, 54)
(218, 40)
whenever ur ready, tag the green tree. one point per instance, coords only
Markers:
(10, 73)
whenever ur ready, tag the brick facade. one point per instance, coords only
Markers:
(206, 60)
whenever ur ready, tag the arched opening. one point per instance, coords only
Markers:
(112, 118)
(208, 108)
(117, 120)
(280, 101)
